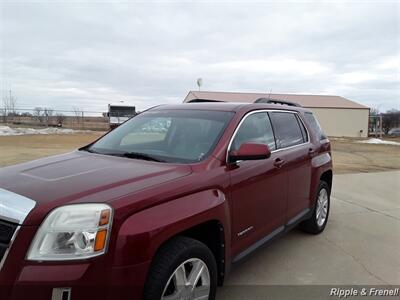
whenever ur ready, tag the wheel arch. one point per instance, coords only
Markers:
(327, 176)
(211, 233)
(204, 216)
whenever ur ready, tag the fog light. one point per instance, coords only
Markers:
(61, 294)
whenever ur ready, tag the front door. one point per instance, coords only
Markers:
(258, 188)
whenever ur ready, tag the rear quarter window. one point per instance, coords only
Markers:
(315, 126)
(287, 129)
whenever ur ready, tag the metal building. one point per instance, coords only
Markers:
(339, 117)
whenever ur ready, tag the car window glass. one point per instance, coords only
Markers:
(315, 125)
(152, 131)
(255, 128)
(303, 129)
(176, 136)
(287, 129)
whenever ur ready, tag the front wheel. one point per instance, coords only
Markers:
(183, 269)
(316, 224)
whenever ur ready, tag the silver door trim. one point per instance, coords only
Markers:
(267, 111)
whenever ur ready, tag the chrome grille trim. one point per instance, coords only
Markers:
(9, 246)
(14, 208)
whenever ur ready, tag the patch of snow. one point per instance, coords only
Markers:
(5, 130)
(379, 141)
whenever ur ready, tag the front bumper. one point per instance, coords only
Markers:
(79, 282)
(95, 278)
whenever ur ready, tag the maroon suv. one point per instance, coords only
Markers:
(162, 206)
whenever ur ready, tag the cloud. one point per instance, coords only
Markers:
(88, 54)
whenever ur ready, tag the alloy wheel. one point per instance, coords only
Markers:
(189, 281)
(322, 207)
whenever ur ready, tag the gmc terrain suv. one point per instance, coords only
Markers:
(162, 206)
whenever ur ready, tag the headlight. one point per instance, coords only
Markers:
(73, 232)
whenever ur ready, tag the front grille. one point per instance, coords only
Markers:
(7, 230)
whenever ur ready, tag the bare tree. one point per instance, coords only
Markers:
(9, 103)
(373, 120)
(374, 111)
(37, 112)
(3, 114)
(60, 119)
(48, 113)
(391, 119)
(78, 112)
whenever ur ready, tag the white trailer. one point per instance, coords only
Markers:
(119, 113)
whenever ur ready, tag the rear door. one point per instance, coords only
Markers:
(258, 187)
(292, 142)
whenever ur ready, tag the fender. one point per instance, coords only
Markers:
(141, 235)
(320, 164)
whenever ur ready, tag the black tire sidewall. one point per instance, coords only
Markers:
(198, 250)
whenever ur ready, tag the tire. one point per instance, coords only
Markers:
(179, 258)
(313, 225)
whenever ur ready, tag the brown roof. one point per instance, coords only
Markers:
(309, 101)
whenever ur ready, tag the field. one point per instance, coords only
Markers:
(22, 148)
(349, 156)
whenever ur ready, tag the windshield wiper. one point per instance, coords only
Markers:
(139, 155)
(89, 149)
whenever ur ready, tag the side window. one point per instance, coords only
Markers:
(303, 129)
(287, 130)
(255, 128)
(315, 125)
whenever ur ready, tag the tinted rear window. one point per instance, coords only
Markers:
(287, 130)
(315, 125)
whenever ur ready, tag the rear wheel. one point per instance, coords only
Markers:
(183, 269)
(317, 222)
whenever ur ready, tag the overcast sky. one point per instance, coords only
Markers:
(76, 54)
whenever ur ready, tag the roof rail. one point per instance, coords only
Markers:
(202, 100)
(276, 101)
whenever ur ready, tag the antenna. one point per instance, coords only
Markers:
(199, 82)
(269, 95)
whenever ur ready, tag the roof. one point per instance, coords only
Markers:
(225, 106)
(216, 106)
(219, 106)
(309, 101)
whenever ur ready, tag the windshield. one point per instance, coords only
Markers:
(175, 136)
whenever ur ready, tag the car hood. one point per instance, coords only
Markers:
(74, 177)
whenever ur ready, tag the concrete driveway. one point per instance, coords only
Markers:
(360, 246)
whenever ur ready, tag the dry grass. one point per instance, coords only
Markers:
(348, 155)
(22, 148)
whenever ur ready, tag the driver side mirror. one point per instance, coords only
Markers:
(249, 151)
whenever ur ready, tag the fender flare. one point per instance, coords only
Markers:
(320, 164)
(141, 234)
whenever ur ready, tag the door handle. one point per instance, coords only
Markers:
(311, 152)
(278, 163)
